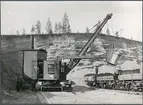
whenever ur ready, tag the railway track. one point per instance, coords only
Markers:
(43, 98)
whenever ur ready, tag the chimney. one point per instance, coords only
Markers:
(32, 42)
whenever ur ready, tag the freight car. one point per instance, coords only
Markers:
(132, 76)
(102, 80)
(123, 80)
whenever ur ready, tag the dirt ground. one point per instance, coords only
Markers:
(99, 96)
(80, 95)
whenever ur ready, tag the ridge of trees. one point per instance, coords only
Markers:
(59, 27)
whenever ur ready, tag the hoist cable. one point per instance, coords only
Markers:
(107, 25)
(93, 27)
(99, 22)
(96, 25)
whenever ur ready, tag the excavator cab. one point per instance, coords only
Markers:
(51, 70)
(52, 75)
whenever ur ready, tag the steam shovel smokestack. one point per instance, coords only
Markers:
(32, 42)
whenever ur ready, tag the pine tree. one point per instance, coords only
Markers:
(107, 31)
(65, 24)
(117, 33)
(23, 31)
(56, 28)
(38, 27)
(99, 23)
(32, 30)
(49, 27)
(17, 32)
(60, 28)
(69, 29)
(87, 30)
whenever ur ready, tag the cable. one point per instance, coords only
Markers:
(93, 27)
(96, 25)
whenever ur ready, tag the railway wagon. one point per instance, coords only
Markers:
(135, 77)
(123, 80)
(101, 79)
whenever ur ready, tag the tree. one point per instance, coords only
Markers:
(98, 23)
(32, 30)
(87, 30)
(65, 24)
(38, 27)
(56, 28)
(117, 33)
(23, 31)
(49, 27)
(60, 27)
(17, 32)
(107, 31)
(69, 29)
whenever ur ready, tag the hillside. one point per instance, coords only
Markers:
(57, 44)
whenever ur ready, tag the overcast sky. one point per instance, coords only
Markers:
(127, 15)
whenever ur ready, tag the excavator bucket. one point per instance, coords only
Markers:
(113, 57)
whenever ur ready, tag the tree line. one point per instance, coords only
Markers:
(59, 27)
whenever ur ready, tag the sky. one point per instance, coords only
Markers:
(127, 15)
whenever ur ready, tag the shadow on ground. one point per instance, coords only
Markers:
(23, 97)
(82, 89)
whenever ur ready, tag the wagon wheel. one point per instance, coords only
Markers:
(104, 86)
(132, 88)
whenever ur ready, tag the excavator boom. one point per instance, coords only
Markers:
(74, 62)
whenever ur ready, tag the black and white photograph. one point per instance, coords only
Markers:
(71, 52)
